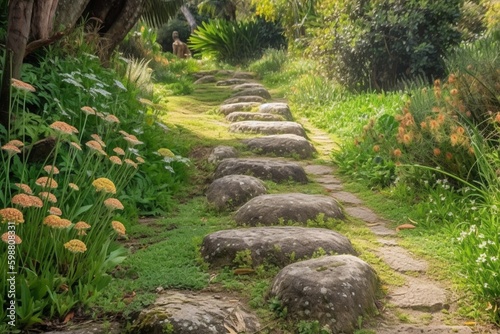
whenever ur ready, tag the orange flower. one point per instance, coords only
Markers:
(123, 133)
(12, 237)
(95, 146)
(454, 91)
(51, 169)
(73, 186)
(23, 200)
(11, 215)
(75, 246)
(76, 145)
(448, 156)
(454, 139)
(460, 130)
(112, 119)
(46, 182)
(11, 149)
(397, 153)
(119, 151)
(25, 188)
(497, 117)
(407, 138)
(471, 151)
(54, 221)
(452, 78)
(118, 227)
(436, 151)
(376, 148)
(434, 125)
(63, 127)
(132, 140)
(55, 211)
(115, 159)
(113, 204)
(130, 163)
(81, 227)
(22, 85)
(98, 139)
(140, 160)
(423, 125)
(37, 202)
(88, 110)
(48, 196)
(16, 143)
(105, 185)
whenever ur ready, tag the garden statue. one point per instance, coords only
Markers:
(180, 48)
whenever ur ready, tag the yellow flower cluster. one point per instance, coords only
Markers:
(75, 246)
(45, 181)
(166, 153)
(105, 185)
(113, 204)
(56, 222)
(63, 127)
(11, 215)
(12, 236)
(118, 227)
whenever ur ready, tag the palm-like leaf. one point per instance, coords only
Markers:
(158, 12)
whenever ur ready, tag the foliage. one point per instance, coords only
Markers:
(165, 33)
(472, 21)
(272, 61)
(373, 44)
(311, 327)
(234, 42)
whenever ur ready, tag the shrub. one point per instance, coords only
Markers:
(272, 61)
(373, 44)
(232, 42)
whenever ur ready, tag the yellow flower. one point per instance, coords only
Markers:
(118, 227)
(497, 118)
(75, 246)
(63, 127)
(76, 145)
(449, 156)
(454, 139)
(88, 110)
(115, 159)
(73, 186)
(81, 225)
(11, 149)
(37, 202)
(11, 215)
(397, 153)
(113, 204)
(124, 133)
(407, 138)
(25, 188)
(119, 151)
(48, 196)
(376, 148)
(436, 151)
(11, 236)
(16, 143)
(140, 160)
(105, 185)
(454, 91)
(22, 85)
(165, 152)
(146, 102)
(45, 181)
(55, 211)
(51, 169)
(132, 140)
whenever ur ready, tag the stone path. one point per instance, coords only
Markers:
(337, 288)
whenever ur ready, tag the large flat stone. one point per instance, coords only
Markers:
(278, 208)
(401, 260)
(346, 197)
(195, 313)
(259, 91)
(415, 329)
(231, 82)
(231, 191)
(419, 294)
(226, 109)
(318, 170)
(277, 108)
(247, 86)
(244, 99)
(268, 128)
(205, 79)
(334, 290)
(282, 146)
(244, 75)
(222, 152)
(279, 246)
(239, 116)
(274, 170)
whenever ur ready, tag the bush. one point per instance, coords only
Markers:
(234, 42)
(272, 61)
(373, 44)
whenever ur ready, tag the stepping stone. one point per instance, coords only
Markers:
(277, 108)
(225, 72)
(230, 82)
(334, 290)
(222, 152)
(282, 146)
(91, 328)
(249, 98)
(328, 179)
(205, 79)
(238, 116)
(411, 329)
(231, 191)
(274, 170)
(259, 91)
(346, 197)
(201, 74)
(248, 85)
(381, 230)
(276, 209)
(419, 294)
(268, 128)
(226, 109)
(244, 75)
(279, 246)
(197, 313)
(318, 170)
(400, 260)
(363, 214)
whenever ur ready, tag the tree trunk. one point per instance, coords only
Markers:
(42, 23)
(68, 12)
(189, 17)
(18, 30)
(127, 17)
